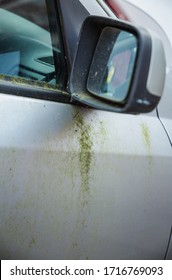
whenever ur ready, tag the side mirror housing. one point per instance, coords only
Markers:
(118, 67)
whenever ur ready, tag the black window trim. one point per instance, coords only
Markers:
(18, 86)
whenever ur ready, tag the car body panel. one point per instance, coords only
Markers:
(155, 16)
(80, 183)
(71, 188)
(93, 8)
(169, 251)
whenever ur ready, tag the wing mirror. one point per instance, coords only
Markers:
(118, 67)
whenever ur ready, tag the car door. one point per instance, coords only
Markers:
(75, 182)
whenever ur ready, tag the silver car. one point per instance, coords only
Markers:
(85, 151)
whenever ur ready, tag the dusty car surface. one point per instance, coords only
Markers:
(155, 16)
(85, 151)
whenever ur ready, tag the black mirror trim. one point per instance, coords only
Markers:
(139, 99)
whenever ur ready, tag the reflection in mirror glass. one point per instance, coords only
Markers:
(113, 65)
(118, 72)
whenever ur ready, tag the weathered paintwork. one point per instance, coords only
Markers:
(82, 184)
(79, 183)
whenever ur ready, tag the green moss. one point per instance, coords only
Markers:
(146, 134)
(85, 153)
(103, 132)
(147, 140)
(32, 243)
(22, 81)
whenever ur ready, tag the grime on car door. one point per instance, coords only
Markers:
(75, 182)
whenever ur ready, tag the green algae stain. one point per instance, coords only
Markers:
(147, 140)
(102, 133)
(146, 134)
(83, 130)
(86, 152)
(33, 83)
(32, 243)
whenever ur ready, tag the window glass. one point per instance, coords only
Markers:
(26, 49)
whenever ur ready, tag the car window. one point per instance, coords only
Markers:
(27, 50)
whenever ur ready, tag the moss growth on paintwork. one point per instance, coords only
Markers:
(85, 153)
(32, 243)
(103, 131)
(23, 82)
(147, 140)
(146, 135)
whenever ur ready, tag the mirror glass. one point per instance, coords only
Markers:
(113, 65)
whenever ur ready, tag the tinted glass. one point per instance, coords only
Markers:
(113, 65)
(26, 49)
